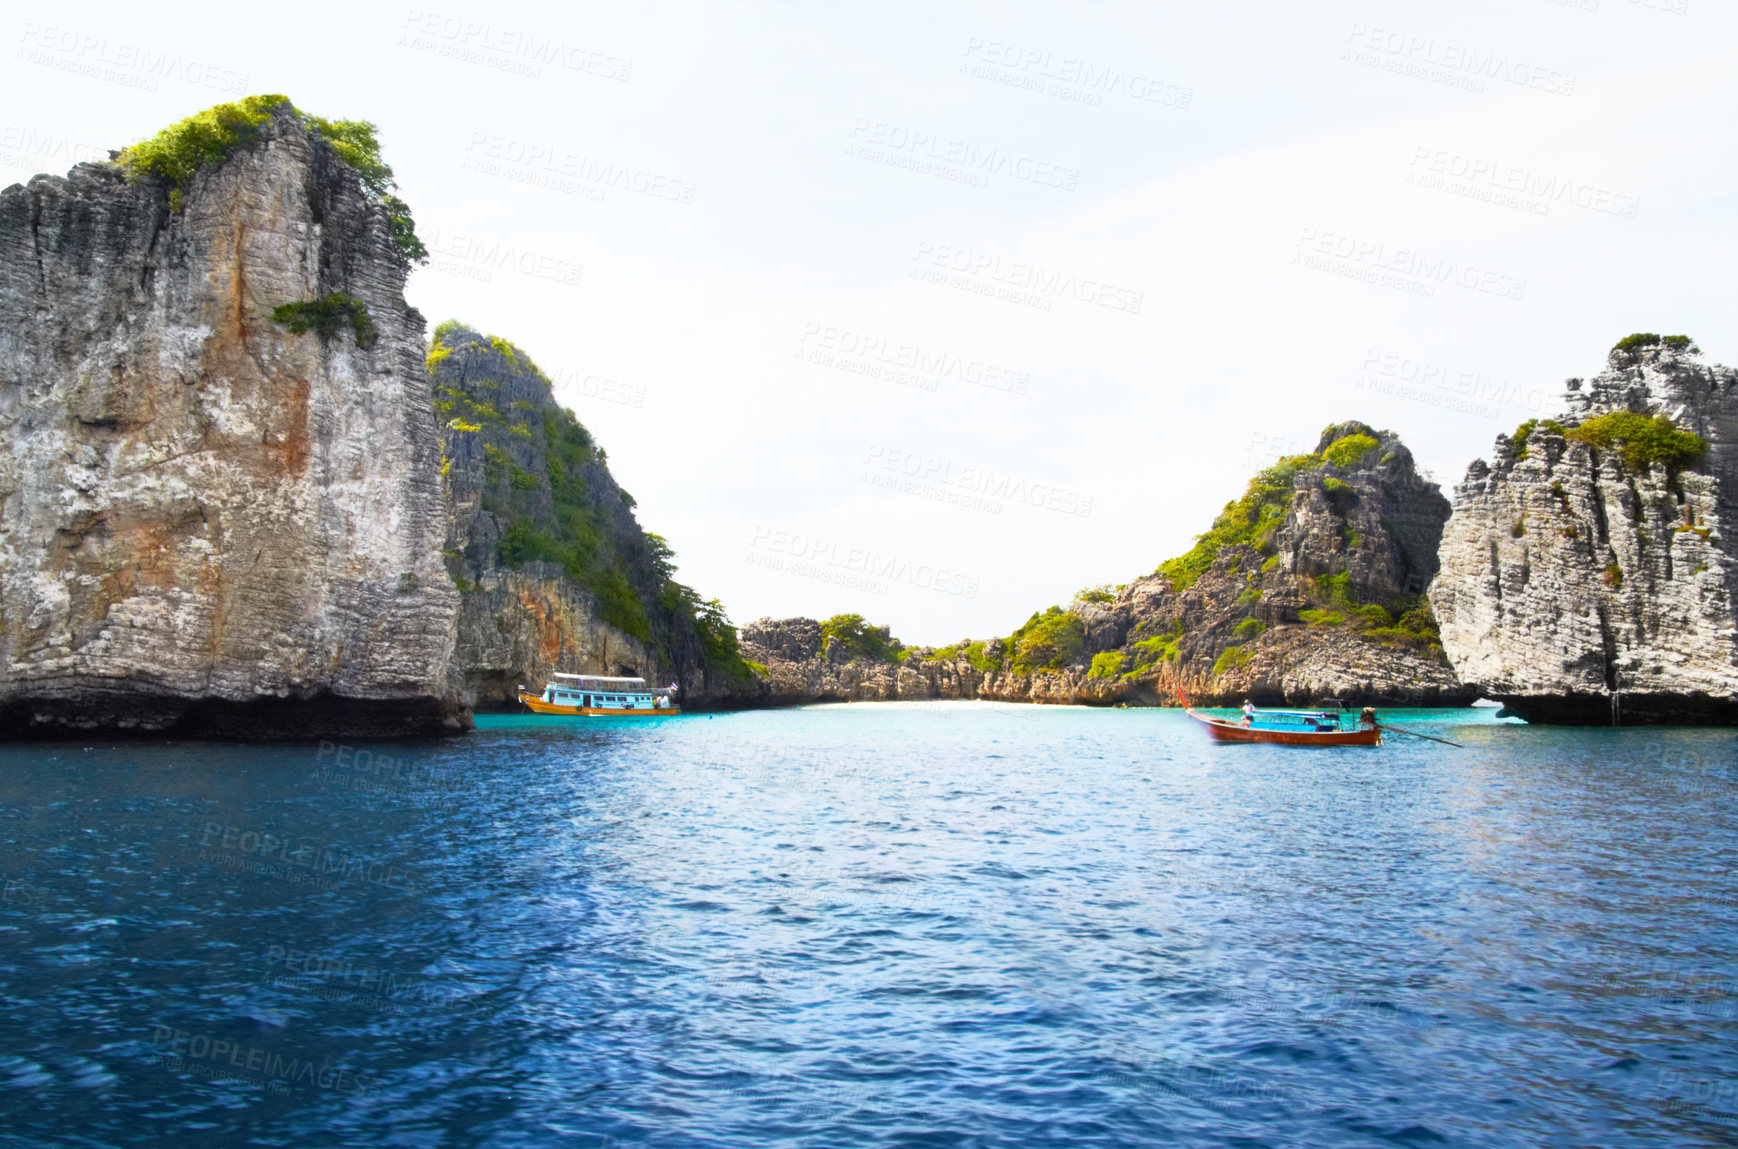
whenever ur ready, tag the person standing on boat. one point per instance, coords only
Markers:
(1248, 712)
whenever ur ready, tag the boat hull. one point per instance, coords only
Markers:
(1222, 731)
(538, 706)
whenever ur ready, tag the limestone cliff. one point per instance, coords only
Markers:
(1309, 586)
(209, 523)
(555, 572)
(1589, 571)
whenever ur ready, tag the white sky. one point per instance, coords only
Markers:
(1201, 149)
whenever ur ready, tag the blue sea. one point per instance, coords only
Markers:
(957, 924)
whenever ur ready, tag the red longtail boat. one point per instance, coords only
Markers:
(1321, 727)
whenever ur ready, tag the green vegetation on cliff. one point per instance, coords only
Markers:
(1249, 521)
(1050, 640)
(1350, 451)
(854, 637)
(975, 653)
(1630, 345)
(327, 316)
(203, 140)
(1253, 520)
(1518, 441)
(547, 485)
(1642, 441)
(1109, 664)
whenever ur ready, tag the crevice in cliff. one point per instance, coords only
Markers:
(156, 246)
(1608, 648)
(36, 245)
(1601, 526)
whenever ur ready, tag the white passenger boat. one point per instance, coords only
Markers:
(595, 695)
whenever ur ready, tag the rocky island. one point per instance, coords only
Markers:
(1589, 571)
(1311, 585)
(243, 497)
(553, 570)
(222, 510)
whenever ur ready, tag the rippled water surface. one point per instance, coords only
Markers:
(947, 925)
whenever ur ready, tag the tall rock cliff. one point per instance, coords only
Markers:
(1309, 586)
(555, 572)
(1589, 572)
(209, 523)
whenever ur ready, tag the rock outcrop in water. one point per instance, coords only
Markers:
(210, 524)
(1589, 572)
(1311, 585)
(555, 572)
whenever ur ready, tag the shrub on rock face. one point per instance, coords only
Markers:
(1245, 522)
(1048, 641)
(180, 151)
(1108, 665)
(1632, 345)
(327, 316)
(1643, 441)
(1350, 451)
(200, 141)
(853, 636)
(1518, 441)
(1232, 658)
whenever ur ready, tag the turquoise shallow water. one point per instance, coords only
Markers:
(911, 925)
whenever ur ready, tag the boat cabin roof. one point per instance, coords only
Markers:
(598, 680)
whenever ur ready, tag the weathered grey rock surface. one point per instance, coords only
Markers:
(1577, 589)
(209, 525)
(1311, 586)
